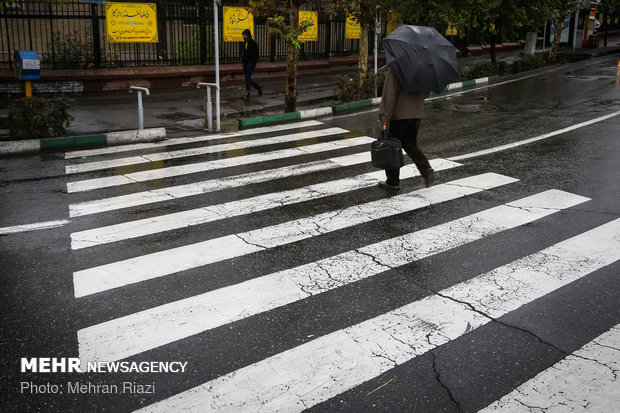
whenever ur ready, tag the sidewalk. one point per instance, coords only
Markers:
(182, 111)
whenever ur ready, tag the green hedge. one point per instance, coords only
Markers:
(522, 64)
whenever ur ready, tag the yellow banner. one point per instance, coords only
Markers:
(131, 22)
(236, 20)
(395, 19)
(352, 30)
(452, 31)
(312, 32)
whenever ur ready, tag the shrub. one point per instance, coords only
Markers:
(484, 69)
(72, 50)
(530, 62)
(348, 89)
(522, 64)
(36, 118)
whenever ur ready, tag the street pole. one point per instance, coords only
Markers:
(377, 33)
(216, 3)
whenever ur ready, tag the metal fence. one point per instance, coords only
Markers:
(72, 36)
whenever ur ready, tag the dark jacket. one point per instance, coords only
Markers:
(396, 103)
(250, 52)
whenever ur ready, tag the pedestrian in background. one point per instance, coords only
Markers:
(249, 58)
(404, 112)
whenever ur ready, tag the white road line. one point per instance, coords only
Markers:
(535, 139)
(203, 150)
(139, 332)
(33, 227)
(184, 219)
(97, 183)
(158, 264)
(314, 372)
(202, 187)
(586, 380)
(193, 139)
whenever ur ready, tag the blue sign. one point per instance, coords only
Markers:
(27, 65)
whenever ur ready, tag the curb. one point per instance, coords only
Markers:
(244, 123)
(480, 81)
(86, 141)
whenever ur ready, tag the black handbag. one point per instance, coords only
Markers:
(386, 152)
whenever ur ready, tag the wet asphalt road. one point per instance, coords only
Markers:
(41, 316)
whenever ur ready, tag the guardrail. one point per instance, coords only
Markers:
(209, 105)
(140, 109)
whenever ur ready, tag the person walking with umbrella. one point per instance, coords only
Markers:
(420, 60)
(404, 112)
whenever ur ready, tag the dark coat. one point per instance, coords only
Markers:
(396, 103)
(250, 52)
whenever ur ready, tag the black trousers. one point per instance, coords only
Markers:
(406, 130)
(248, 70)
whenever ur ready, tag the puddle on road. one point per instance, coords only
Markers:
(176, 116)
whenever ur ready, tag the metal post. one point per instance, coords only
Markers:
(140, 109)
(209, 106)
(217, 64)
(209, 110)
(377, 33)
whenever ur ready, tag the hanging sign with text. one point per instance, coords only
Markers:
(312, 32)
(395, 19)
(352, 29)
(131, 22)
(236, 20)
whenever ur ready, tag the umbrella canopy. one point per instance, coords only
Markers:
(422, 59)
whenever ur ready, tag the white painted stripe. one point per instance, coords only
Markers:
(184, 219)
(203, 150)
(481, 81)
(172, 171)
(537, 138)
(146, 267)
(315, 113)
(139, 332)
(33, 227)
(314, 372)
(193, 139)
(586, 380)
(202, 187)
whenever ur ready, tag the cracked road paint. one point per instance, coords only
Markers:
(327, 366)
(197, 188)
(130, 335)
(203, 150)
(585, 381)
(168, 172)
(168, 222)
(166, 262)
(192, 139)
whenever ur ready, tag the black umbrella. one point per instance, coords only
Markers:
(422, 59)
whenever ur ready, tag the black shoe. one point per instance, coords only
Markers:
(383, 184)
(260, 91)
(429, 178)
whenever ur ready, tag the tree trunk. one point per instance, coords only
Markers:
(363, 63)
(290, 90)
(530, 43)
(290, 95)
(553, 53)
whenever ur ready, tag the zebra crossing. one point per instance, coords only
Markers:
(106, 182)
